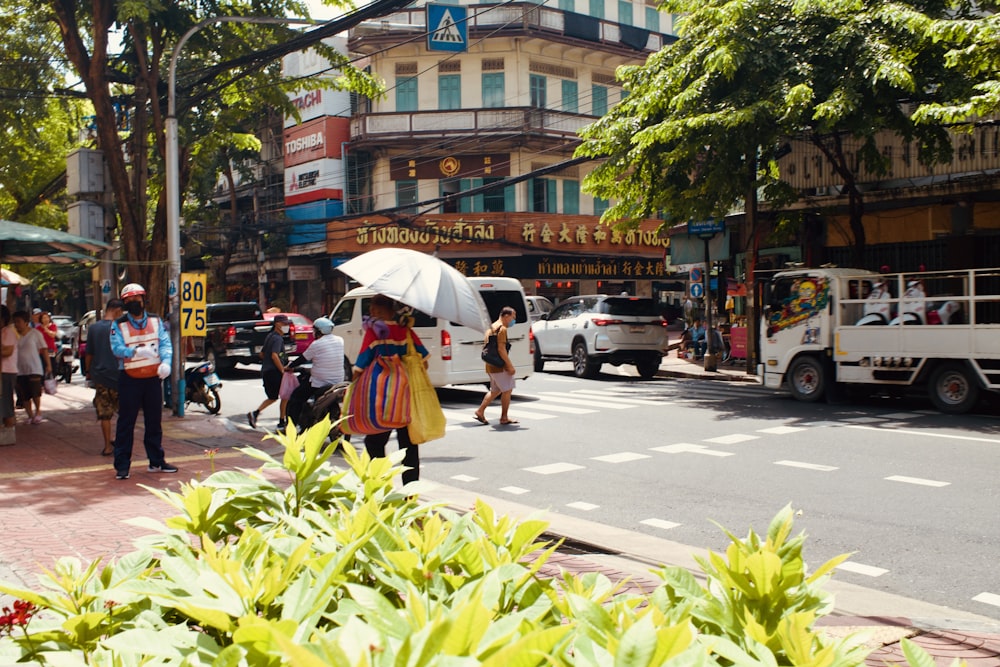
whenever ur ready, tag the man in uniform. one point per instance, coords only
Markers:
(141, 342)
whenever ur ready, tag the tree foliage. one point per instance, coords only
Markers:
(121, 52)
(705, 114)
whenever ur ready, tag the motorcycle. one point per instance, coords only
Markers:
(305, 410)
(201, 385)
(64, 362)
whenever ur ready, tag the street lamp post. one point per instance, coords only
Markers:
(172, 186)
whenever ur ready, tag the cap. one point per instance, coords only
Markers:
(323, 325)
(36, 311)
(281, 317)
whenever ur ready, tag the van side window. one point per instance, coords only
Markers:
(342, 315)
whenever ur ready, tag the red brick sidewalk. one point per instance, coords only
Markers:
(61, 498)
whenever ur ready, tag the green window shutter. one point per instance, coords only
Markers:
(599, 100)
(652, 19)
(493, 90)
(625, 12)
(477, 200)
(597, 9)
(570, 95)
(406, 94)
(464, 203)
(450, 91)
(509, 199)
(550, 196)
(571, 197)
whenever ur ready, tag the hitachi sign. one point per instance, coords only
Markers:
(308, 142)
(309, 99)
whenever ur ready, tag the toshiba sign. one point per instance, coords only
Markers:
(317, 139)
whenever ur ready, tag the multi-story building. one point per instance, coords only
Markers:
(476, 94)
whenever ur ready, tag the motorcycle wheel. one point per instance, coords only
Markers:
(212, 401)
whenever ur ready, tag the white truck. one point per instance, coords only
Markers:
(832, 328)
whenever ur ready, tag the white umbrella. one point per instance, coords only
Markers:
(420, 281)
(8, 277)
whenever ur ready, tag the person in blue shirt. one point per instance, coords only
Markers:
(698, 339)
(141, 342)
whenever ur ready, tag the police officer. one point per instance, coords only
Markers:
(141, 342)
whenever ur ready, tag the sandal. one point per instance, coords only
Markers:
(509, 421)
(481, 420)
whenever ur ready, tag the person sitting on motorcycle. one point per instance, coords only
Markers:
(326, 353)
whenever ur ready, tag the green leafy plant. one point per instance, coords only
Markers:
(334, 566)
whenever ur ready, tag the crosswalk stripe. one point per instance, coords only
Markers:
(576, 401)
(462, 418)
(556, 408)
(621, 399)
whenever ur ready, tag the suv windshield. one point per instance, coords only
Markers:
(619, 305)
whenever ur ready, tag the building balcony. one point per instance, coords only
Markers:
(523, 126)
(504, 20)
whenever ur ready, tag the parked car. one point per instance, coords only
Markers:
(595, 329)
(301, 330)
(538, 306)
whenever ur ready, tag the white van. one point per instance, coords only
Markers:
(454, 349)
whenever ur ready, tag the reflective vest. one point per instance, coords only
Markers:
(135, 337)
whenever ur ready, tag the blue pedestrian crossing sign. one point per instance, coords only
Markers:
(447, 28)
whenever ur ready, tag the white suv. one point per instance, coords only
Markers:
(595, 329)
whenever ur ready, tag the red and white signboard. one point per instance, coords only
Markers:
(315, 140)
(313, 181)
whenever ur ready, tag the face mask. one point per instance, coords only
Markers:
(134, 308)
(513, 321)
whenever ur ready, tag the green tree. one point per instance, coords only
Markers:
(745, 75)
(227, 74)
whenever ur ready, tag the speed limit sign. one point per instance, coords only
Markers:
(193, 310)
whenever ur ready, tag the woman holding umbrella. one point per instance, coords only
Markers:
(382, 326)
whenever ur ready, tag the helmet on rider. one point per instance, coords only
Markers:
(133, 289)
(323, 325)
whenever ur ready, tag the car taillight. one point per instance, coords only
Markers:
(604, 323)
(445, 345)
(531, 341)
(661, 322)
(230, 335)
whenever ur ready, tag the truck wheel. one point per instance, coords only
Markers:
(583, 365)
(648, 366)
(807, 379)
(953, 388)
(539, 362)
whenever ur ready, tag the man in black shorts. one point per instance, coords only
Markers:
(272, 367)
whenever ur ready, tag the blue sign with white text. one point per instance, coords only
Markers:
(447, 28)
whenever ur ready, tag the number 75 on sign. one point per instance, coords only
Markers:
(193, 310)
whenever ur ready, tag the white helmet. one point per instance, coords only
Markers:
(133, 289)
(323, 325)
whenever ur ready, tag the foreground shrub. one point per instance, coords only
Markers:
(336, 567)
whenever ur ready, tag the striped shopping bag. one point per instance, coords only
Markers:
(379, 400)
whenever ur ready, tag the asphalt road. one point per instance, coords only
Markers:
(911, 493)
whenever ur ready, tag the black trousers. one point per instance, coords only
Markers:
(375, 446)
(136, 394)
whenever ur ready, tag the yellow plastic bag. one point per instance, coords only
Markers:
(427, 420)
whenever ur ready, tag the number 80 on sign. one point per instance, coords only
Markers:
(193, 309)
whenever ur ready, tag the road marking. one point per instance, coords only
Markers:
(807, 466)
(864, 420)
(860, 568)
(988, 598)
(823, 424)
(688, 448)
(464, 478)
(732, 439)
(515, 490)
(946, 436)
(916, 480)
(781, 430)
(580, 505)
(659, 523)
(604, 396)
(562, 398)
(553, 468)
(519, 413)
(542, 405)
(903, 415)
(620, 457)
